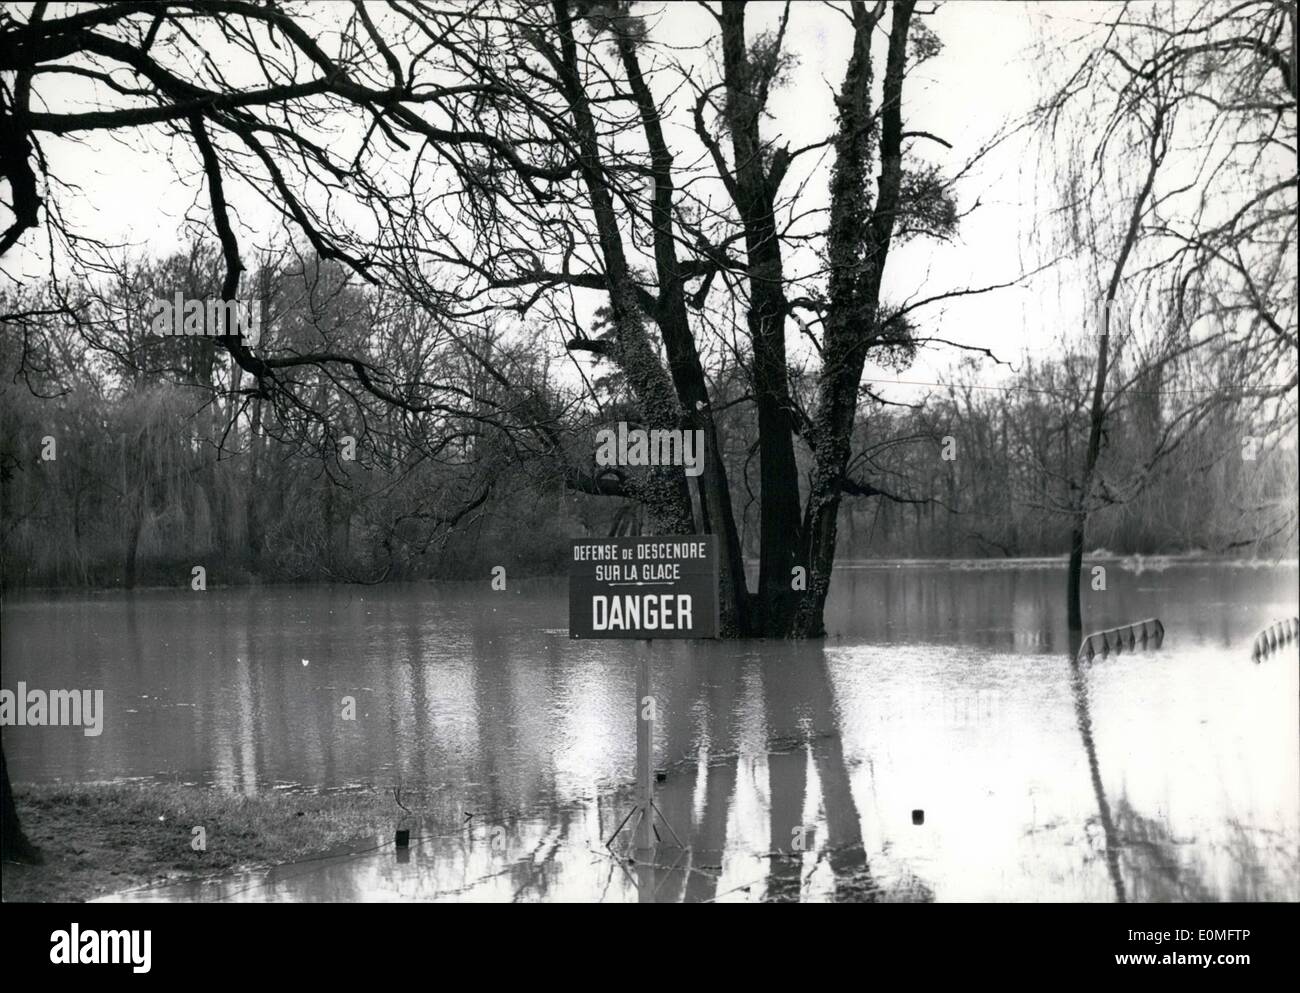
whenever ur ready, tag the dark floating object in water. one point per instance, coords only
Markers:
(661, 777)
(1148, 633)
(1274, 636)
(918, 817)
(403, 838)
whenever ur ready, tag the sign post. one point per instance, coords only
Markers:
(644, 588)
(645, 739)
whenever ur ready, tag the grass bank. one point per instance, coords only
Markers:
(99, 838)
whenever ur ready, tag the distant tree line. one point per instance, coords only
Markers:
(127, 458)
(1229, 488)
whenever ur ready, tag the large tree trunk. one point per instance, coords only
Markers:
(857, 248)
(780, 524)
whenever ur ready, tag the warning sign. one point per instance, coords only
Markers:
(644, 587)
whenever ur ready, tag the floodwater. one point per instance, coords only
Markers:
(945, 695)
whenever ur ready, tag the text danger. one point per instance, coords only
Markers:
(641, 612)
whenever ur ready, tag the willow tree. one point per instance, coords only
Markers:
(1180, 202)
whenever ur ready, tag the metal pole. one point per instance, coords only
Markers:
(644, 753)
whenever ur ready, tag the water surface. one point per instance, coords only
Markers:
(790, 771)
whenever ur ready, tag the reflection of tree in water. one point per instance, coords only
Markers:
(1269, 871)
(798, 701)
(1162, 868)
(533, 874)
(801, 740)
(1079, 689)
(709, 711)
(524, 855)
(1159, 867)
(907, 888)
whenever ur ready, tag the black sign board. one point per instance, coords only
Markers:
(644, 587)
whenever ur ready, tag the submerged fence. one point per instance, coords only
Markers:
(1275, 636)
(1148, 633)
